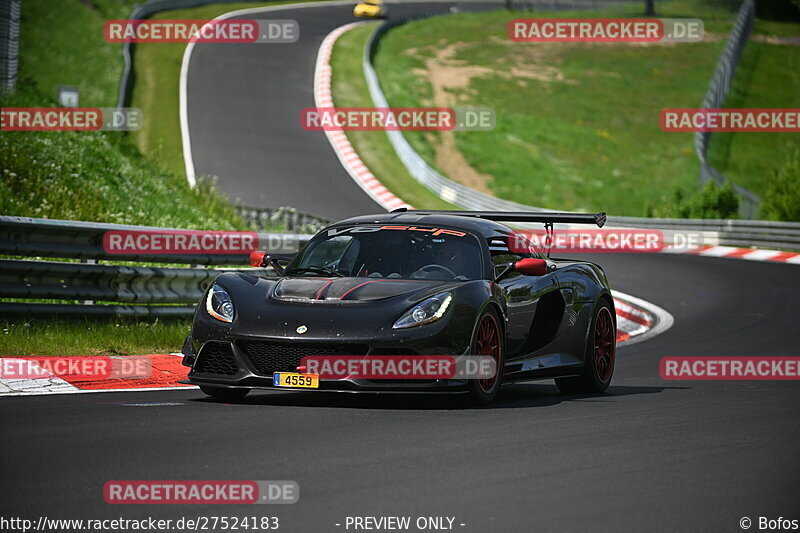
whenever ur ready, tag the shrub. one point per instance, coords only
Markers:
(782, 199)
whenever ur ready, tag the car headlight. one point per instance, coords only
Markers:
(219, 304)
(425, 312)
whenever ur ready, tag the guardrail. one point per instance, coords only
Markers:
(264, 217)
(738, 233)
(715, 98)
(445, 188)
(159, 287)
(9, 44)
(170, 291)
(467, 198)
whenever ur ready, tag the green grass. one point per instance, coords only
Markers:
(373, 147)
(91, 176)
(95, 337)
(61, 43)
(768, 76)
(591, 140)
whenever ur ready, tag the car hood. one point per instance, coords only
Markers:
(346, 289)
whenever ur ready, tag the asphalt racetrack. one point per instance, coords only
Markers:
(650, 455)
(244, 103)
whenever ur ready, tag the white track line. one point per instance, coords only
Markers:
(188, 161)
(349, 159)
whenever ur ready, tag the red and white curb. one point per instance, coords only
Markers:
(341, 145)
(637, 320)
(166, 371)
(751, 254)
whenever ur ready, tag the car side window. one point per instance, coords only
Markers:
(502, 256)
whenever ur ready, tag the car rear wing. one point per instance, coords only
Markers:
(520, 216)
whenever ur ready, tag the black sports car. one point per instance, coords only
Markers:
(409, 283)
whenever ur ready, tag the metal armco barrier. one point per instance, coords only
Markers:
(9, 44)
(35, 237)
(159, 287)
(467, 198)
(739, 233)
(715, 98)
(262, 217)
(129, 288)
(81, 281)
(445, 188)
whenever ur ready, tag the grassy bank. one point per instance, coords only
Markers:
(768, 76)
(92, 176)
(578, 124)
(96, 337)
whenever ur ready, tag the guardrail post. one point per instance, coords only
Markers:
(715, 97)
(9, 44)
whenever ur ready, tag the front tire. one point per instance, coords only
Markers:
(222, 393)
(598, 366)
(488, 341)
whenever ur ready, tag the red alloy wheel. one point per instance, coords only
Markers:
(604, 345)
(488, 344)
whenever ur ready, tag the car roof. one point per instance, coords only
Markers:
(477, 226)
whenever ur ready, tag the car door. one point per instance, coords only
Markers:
(522, 294)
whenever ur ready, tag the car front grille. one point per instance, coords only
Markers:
(216, 358)
(268, 357)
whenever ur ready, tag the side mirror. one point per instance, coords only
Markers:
(260, 259)
(531, 267)
(257, 259)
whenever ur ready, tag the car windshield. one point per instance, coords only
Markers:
(395, 252)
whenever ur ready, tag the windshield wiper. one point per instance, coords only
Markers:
(316, 270)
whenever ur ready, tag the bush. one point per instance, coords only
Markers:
(782, 199)
(714, 202)
(711, 201)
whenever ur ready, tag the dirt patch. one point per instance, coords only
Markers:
(450, 79)
(786, 41)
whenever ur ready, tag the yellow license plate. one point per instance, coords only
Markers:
(295, 380)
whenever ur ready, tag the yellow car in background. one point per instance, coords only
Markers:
(371, 9)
